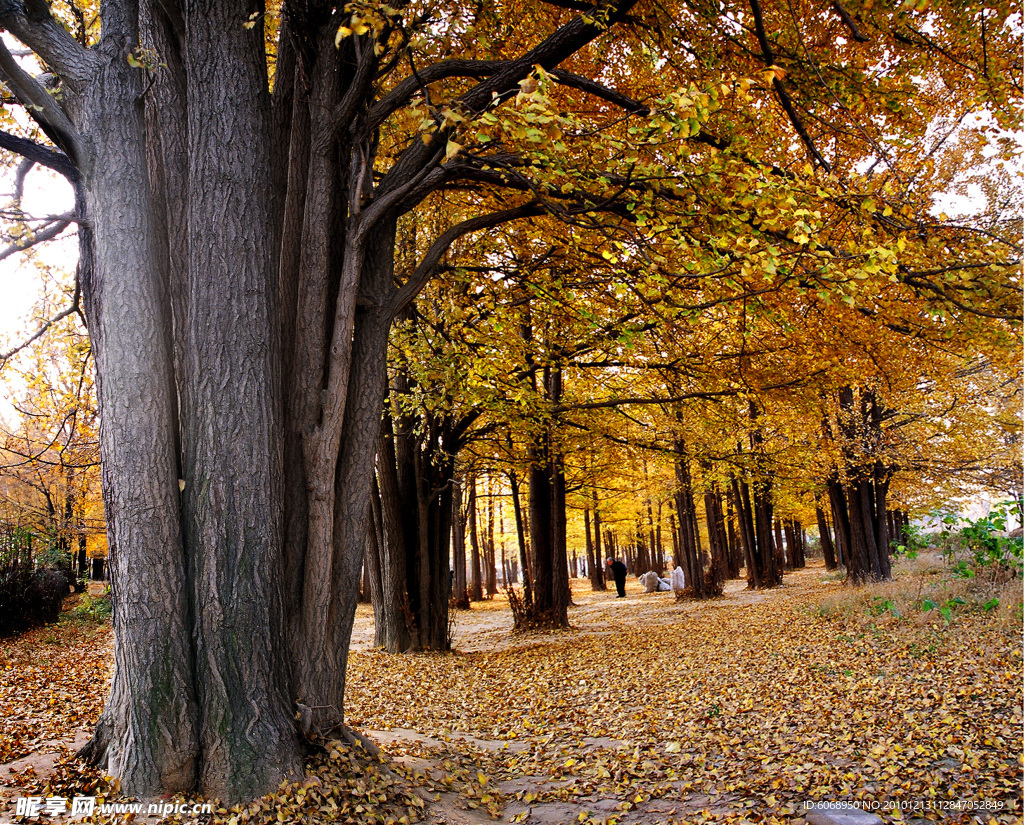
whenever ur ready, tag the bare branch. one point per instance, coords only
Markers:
(1011, 313)
(575, 5)
(24, 167)
(39, 333)
(403, 92)
(689, 396)
(48, 233)
(850, 23)
(780, 89)
(37, 153)
(585, 84)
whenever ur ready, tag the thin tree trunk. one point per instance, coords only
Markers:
(741, 494)
(524, 555)
(597, 578)
(491, 554)
(392, 631)
(476, 590)
(827, 549)
(459, 550)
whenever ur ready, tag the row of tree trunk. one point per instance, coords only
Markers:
(857, 491)
(416, 560)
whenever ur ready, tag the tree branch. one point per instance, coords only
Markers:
(411, 288)
(39, 333)
(35, 27)
(591, 87)
(481, 69)
(780, 89)
(40, 104)
(560, 45)
(358, 90)
(47, 234)
(37, 153)
(403, 92)
(850, 23)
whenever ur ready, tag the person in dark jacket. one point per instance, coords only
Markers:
(618, 571)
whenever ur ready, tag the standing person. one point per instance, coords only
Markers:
(618, 570)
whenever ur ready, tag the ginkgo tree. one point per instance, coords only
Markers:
(237, 224)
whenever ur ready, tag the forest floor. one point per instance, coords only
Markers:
(903, 697)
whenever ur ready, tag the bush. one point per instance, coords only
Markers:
(93, 608)
(982, 546)
(29, 598)
(915, 541)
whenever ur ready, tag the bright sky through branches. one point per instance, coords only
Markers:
(21, 283)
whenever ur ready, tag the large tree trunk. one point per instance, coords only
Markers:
(541, 533)
(231, 446)
(353, 483)
(548, 562)
(148, 734)
(717, 540)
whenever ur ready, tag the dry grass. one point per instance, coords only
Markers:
(920, 589)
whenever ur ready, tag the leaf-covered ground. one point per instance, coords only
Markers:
(52, 682)
(737, 710)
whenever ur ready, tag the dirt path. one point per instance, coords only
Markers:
(487, 626)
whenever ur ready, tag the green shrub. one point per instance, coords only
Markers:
(93, 608)
(914, 542)
(982, 546)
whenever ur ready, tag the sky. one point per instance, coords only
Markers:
(20, 282)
